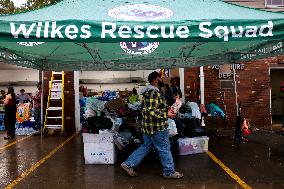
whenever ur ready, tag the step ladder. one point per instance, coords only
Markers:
(55, 95)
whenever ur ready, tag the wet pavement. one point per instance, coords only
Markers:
(259, 163)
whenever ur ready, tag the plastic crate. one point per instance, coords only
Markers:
(193, 145)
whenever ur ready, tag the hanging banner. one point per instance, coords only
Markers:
(210, 30)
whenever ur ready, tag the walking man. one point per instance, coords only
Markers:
(154, 130)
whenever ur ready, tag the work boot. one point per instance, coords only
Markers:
(129, 170)
(175, 175)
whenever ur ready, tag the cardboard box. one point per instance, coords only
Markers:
(98, 138)
(99, 153)
(193, 145)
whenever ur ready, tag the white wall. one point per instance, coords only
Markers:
(113, 74)
(28, 89)
(114, 87)
(19, 75)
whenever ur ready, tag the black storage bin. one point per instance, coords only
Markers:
(189, 127)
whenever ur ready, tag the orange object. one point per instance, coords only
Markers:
(246, 132)
(245, 127)
(23, 113)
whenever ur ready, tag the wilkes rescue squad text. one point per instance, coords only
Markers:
(111, 30)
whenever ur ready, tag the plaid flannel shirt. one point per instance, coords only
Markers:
(154, 112)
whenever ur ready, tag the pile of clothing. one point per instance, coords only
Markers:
(120, 118)
(214, 110)
(188, 120)
(108, 95)
(92, 106)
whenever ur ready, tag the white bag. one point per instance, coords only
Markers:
(176, 106)
(172, 127)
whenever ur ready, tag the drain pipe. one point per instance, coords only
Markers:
(41, 103)
(181, 77)
(235, 90)
(238, 128)
(202, 98)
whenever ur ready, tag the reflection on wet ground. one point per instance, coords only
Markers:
(260, 163)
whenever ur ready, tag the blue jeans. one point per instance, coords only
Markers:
(160, 140)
